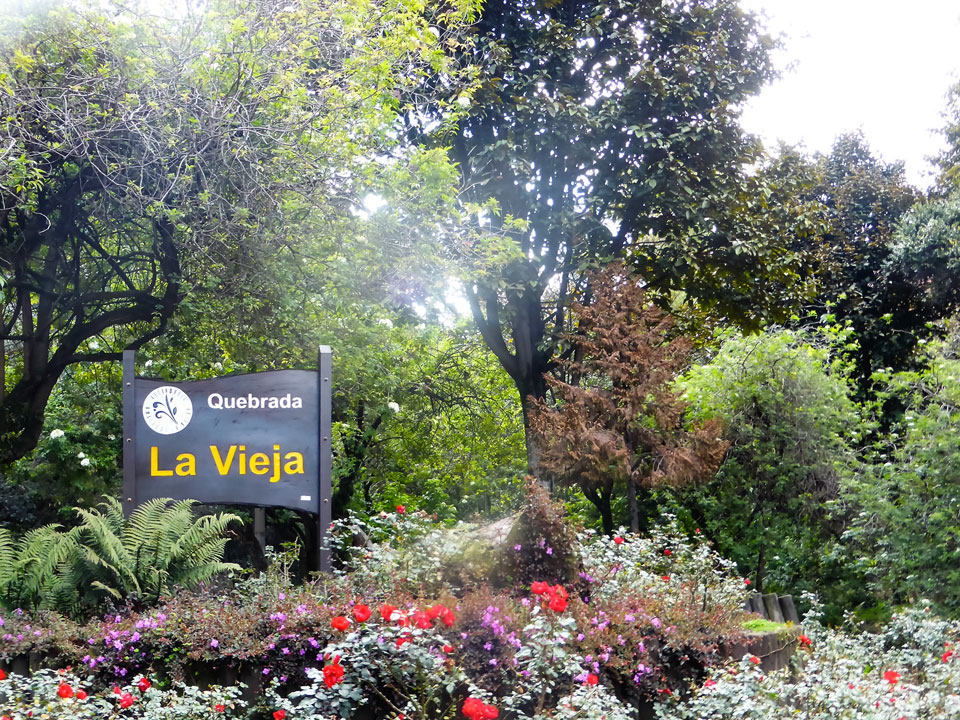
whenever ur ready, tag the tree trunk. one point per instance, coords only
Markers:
(634, 507)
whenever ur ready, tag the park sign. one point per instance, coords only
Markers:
(261, 439)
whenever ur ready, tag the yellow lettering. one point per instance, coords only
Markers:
(276, 464)
(155, 470)
(259, 463)
(294, 464)
(223, 464)
(186, 464)
(243, 459)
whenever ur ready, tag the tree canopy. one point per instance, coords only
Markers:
(601, 130)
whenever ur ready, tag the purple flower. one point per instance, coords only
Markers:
(656, 623)
(549, 551)
(266, 671)
(214, 643)
(517, 547)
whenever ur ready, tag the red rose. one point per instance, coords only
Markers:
(448, 648)
(558, 604)
(126, 700)
(387, 611)
(618, 540)
(361, 613)
(804, 640)
(3, 675)
(448, 618)
(947, 655)
(421, 620)
(665, 578)
(591, 679)
(401, 509)
(279, 714)
(81, 694)
(891, 676)
(220, 707)
(436, 611)
(143, 684)
(340, 623)
(402, 640)
(539, 588)
(754, 659)
(65, 691)
(333, 673)
(746, 581)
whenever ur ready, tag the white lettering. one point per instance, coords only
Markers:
(217, 401)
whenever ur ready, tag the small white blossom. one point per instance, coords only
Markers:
(54, 434)
(85, 462)
(386, 322)
(81, 455)
(393, 406)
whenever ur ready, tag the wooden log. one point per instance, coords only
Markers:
(772, 605)
(789, 610)
(756, 605)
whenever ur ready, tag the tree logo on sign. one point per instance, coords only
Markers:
(167, 410)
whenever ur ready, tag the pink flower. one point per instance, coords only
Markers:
(401, 509)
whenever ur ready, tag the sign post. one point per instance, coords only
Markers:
(262, 439)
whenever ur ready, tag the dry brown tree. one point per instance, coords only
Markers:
(617, 419)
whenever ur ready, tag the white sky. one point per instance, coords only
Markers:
(883, 66)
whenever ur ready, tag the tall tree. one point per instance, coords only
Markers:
(618, 419)
(601, 130)
(141, 158)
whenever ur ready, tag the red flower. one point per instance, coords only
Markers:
(558, 604)
(947, 655)
(81, 694)
(402, 640)
(279, 714)
(387, 611)
(333, 673)
(340, 623)
(539, 588)
(746, 581)
(668, 552)
(476, 710)
(126, 700)
(401, 509)
(361, 613)
(448, 648)
(804, 640)
(220, 707)
(436, 611)
(709, 683)
(891, 676)
(143, 684)
(65, 691)
(591, 679)
(3, 675)
(116, 689)
(448, 618)
(421, 620)
(618, 540)
(665, 578)
(697, 531)
(754, 659)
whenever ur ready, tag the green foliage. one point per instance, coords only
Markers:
(905, 533)
(786, 408)
(844, 674)
(107, 558)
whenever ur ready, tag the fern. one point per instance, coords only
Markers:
(108, 558)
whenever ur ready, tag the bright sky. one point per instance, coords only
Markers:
(883, 66)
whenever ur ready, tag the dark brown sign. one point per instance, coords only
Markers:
(261, 439)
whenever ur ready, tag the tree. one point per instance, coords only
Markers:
(863, 200)
(785, 403)
(140, 159)
(618, 419)
(602, 130)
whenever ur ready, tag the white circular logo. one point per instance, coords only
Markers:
(167, 410)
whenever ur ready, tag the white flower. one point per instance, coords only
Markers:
(386, 322)
(85, 462)
(111, 436)
(54, 434)
(81, 455)
(393, 406)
